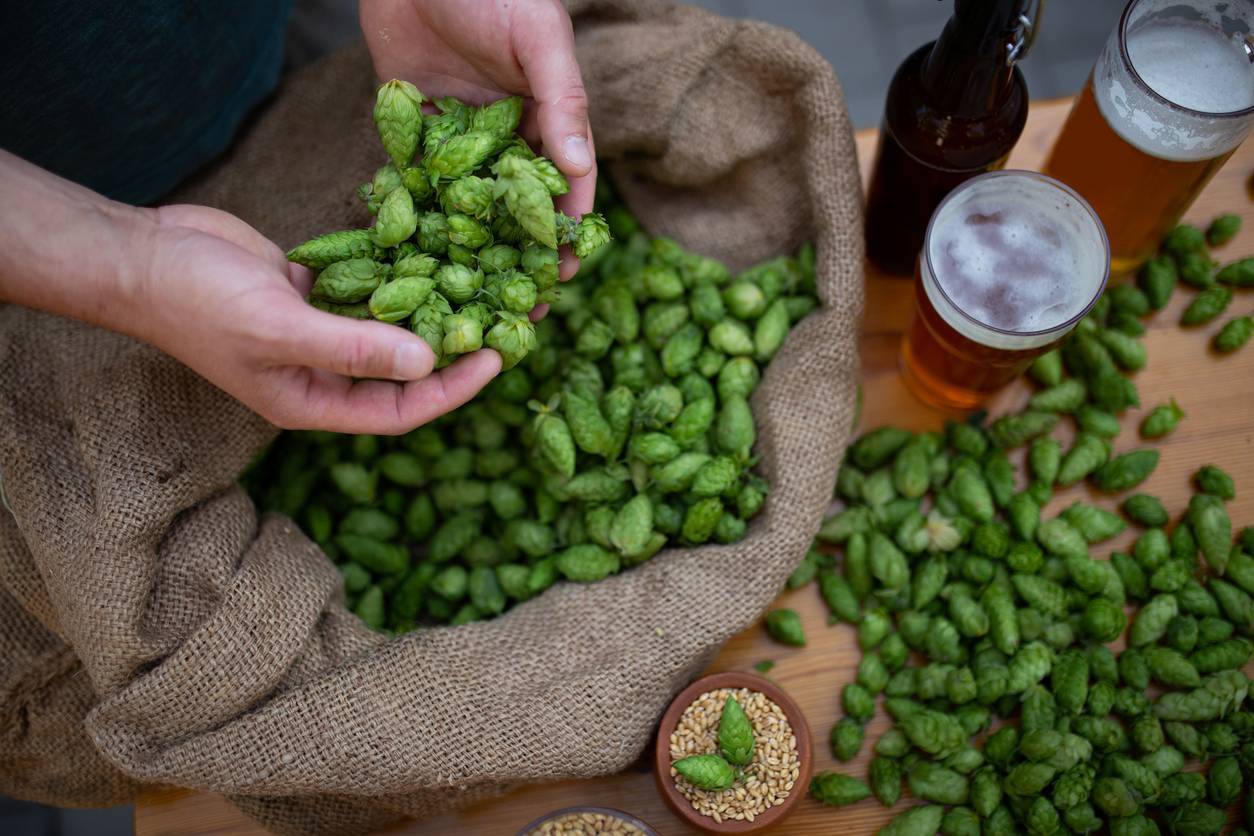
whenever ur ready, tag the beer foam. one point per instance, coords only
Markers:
(1199, 63)
(1193, 65)
(1019, 255)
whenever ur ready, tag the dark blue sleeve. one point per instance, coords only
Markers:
(129, 98)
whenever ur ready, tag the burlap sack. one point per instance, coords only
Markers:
(154, 631)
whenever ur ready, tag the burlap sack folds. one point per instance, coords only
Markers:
(154, 631)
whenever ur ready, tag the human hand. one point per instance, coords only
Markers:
(480, 50)
(218, 296)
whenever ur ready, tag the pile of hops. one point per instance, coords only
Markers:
(985, 622)
(628, 428)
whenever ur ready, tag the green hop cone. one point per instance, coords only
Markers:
(1212, 527)
(1196, 269)
(398, 117)
(527, 199)
(1126, 471)
(385, 180)
(1206, 305)
(1223, 229)
(701, 520)
(458, 283)
(499, 118)
(587, 563)
(1239, 273)
(541, 264)
(631, 529)
(399, 298)
(1215, 481)
(433, 233)
(414, 265)
(914, 821)
(735, 432)
(481, 312)
(459, 155)
(498, 258)
(459, 254)
(1157, 280)
(770, 330)
(553, 179)
(518, 295)
(1184, 239)
(427, 322)
(323, 251)
(1011, 431)
(837, 790)
(846, 739)
(591, 234)
(735, 734)
(468, 232)
(1162, 420)
(396, 220)
(348, 281)
(1235, 333)
(513, 337)
(706, 772)
(415, 180)
(468, 195)
(462, 335)
(1047, 369)
(784, 626)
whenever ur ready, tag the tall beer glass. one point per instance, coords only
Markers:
(1011, 261)
(1169, 100)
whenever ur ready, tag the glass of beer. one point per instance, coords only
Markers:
(1011, 261)
(1169, 99)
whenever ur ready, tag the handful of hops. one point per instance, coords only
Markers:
(465, 237)
(627, 428)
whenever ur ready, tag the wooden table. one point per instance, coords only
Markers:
(1216, 393)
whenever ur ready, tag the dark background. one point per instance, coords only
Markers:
(864, 40)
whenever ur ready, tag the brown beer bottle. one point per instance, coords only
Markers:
(955, 108)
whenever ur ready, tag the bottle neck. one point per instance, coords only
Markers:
(969, 71)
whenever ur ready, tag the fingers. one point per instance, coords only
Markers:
(567, 264)
(578, 201)
(335, 403)
(544, 44)
(304, 336)
(301, 277)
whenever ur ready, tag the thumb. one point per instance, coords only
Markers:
(545, 47)
(349, 347)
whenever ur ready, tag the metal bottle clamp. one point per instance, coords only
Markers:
(1024, 32)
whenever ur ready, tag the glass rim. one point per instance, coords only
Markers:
(1124, 19)
(1062, 327)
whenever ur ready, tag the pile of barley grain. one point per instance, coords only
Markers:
(769, 777)
(586, 824)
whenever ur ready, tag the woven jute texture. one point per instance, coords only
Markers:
(153, 630)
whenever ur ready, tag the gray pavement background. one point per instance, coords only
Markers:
(863, 39)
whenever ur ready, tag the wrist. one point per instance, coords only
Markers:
(66, 249)
(131, 236)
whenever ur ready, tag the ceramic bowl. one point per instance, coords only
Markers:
(662, 758)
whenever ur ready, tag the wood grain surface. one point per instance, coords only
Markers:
(1217, 393)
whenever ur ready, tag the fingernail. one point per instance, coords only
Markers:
(575, 149)
(410, 362)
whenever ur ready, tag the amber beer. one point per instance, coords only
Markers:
(1011, 261)
(1170, 98)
